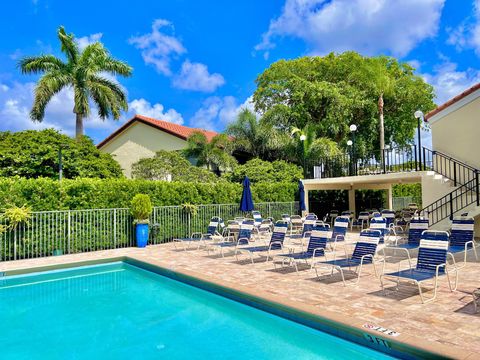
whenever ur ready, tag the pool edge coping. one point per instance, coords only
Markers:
(410, 344)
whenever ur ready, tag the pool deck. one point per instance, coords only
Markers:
(448, 325)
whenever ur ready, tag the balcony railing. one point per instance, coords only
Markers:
(395, 160)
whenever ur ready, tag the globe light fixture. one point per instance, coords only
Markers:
(418, 114)
(353, 128)
(303, 137)
(349, 142)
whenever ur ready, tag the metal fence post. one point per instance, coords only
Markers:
(451, 206)
(69, 226)
(114, 228)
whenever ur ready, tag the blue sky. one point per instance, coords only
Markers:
(195, 62)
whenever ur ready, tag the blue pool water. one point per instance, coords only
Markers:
(119, 311)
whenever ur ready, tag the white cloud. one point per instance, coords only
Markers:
(448, 81)
(367, 26)
(143, 107)
(84, 41)
(466, 35)
(217, 112)
(157, 47)
(195, 76)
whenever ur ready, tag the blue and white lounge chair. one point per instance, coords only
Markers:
(199, 238)
(364, 253)
(431, 264)
(379, 223)
(316, 248)
(339, 229)
(307, 227)
(462, 237)
(257, 217)
(389, 215)
(243, 238)
(415, 231)
(276, 243)
(360, 222)
(286, 218)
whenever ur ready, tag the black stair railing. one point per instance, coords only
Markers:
(457, 171)
(453, 202)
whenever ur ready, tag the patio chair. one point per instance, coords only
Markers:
(431, 264)
(379, 223)
(316, 247)
(361, 221)
(462, 237)
(199, 238)
(230, 243)
(363, 253)
(332, 216)
(257, 217)
(307, 227)
(276, 243)
(296, 226)
(389, 215)
(339, 229)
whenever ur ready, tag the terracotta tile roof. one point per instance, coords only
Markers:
(180, 131)
(453, 100)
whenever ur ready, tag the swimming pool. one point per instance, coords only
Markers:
(120, 311)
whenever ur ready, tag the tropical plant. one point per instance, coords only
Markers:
(141, 208)
(16, 215)
(34, 154)
(259, 170)
(257, 137)
(84, 72)
(310, 147)
(190, 209)
(213, 153)
(170, 165)
(334, 91)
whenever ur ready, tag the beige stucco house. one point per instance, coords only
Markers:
(142, 137)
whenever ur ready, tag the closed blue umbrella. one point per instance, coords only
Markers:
(301, 193)
(246, 204)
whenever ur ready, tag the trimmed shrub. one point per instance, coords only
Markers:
(47, 194)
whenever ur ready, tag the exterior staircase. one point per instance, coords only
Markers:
(448, 173)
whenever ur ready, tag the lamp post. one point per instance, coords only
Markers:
(419, 116)
(349, 144)
(386, 156)
(60, 165)
(303, 137)
(353, 129)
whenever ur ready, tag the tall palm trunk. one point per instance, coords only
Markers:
(381, 127)
(79, 126)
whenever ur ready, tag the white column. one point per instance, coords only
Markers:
(390, 197)
(351, 200)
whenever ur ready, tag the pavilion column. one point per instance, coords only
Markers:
(351, 200)
(390, 197)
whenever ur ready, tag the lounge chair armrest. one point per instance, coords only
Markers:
(318, 250)
(275, 243)
(196, 234)
(471, 242)
(437, 268)
(366, 256)
(239, 240)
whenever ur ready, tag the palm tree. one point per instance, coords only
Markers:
(83, 73)
(210, 153)
(257, 137)
(311, 147)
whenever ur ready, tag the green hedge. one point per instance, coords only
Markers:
(47, 194)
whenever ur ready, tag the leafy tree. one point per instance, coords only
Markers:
(167, 164)
(215, 152)
(265, 171)
(257, 137)
(335, 91)
(83, 72)
(33, 154)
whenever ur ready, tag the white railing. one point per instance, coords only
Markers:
(74, 231)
